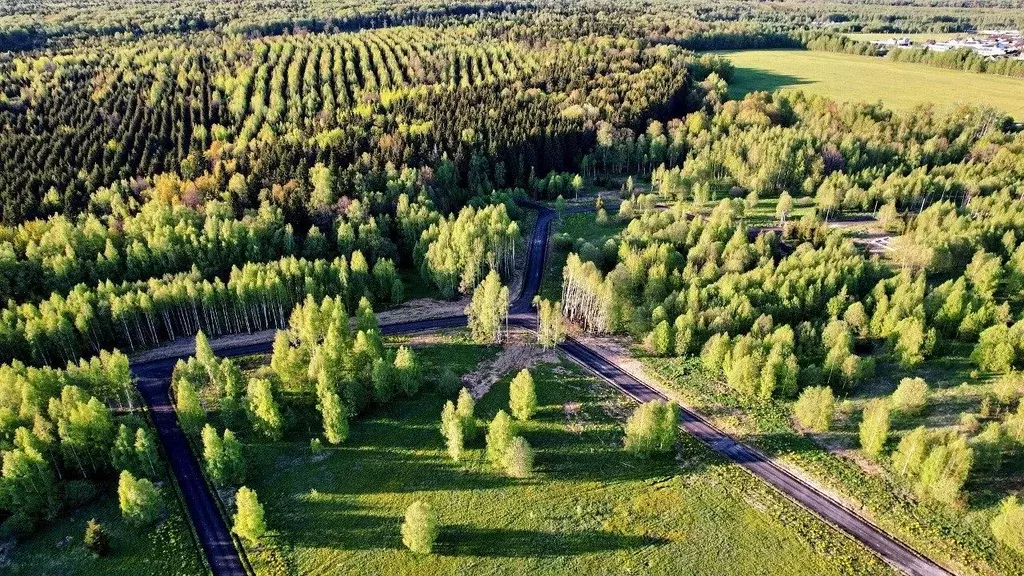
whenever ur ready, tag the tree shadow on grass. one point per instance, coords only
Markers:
(343, 530)
(462, 540)
(751, 79)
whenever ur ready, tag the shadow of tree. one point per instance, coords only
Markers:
(462, 540)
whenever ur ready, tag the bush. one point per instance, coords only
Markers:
(139, 499)
(96, 539)
(653, 427)
(79, 493)
(448, 383)
(910, 397)
(518, 461)
(419, 530)
(1008, 388)
(1008, 525)
(815, 408)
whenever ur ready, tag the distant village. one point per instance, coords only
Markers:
(987, 43)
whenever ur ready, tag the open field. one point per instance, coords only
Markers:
(834, 459)
(589, 509)
(576, 226)
(850, 78)
(164, 550)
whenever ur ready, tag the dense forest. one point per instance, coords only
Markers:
(215, 168)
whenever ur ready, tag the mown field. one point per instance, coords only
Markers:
(590, 508)
(850, 78)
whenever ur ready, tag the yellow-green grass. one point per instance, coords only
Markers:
(851, 78)
(589, 509)
(162, 550)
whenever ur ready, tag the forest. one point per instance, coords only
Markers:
(846, 275)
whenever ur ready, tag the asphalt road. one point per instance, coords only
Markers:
(215, 538)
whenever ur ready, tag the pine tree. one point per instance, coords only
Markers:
(522, 396)
(420, 529)
(248, 521)
(96, 539)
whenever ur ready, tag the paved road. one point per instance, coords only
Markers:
(154, 377)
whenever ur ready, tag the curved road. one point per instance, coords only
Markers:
(215, 538)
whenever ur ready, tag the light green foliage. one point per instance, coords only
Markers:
(189, 407)
(488, 309)
(222, 457)
(911, 452)
(518, 460)
(874, 427)
(988, 447)
(452, 431)
(815, 408)
(945, 470)
(499, 436)
(264, 414)
(248, 521)
(1008, 388)
(420, 528)
(652, 428)
(464, 409)
(1008, 525)
(407, 371)
(550, 324)
(139, 499)
(910, 397)
(522, 396)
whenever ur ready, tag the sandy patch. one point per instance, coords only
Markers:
(423, 309)
(521, 351)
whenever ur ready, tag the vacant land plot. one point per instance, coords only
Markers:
(589, 509)
(850, 78)
(916, 38)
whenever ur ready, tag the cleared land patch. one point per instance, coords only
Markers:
(590, 508)
(850, 78)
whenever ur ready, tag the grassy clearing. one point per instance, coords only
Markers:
(590, 508)
(166, 549)
(576, 226)
(959, 535)
(851, 78)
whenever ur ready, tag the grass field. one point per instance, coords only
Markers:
(959, 534)
(164, 550)
(576, 226)
(590, 509)
(851, 78)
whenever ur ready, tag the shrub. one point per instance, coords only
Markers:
(96, 539)
(815, 408)
(419, 530)
(518, 461)
(653, 427)
(448, 383)
(139, 499)
(1008, 525)
(910, 397)
(1008, 388)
